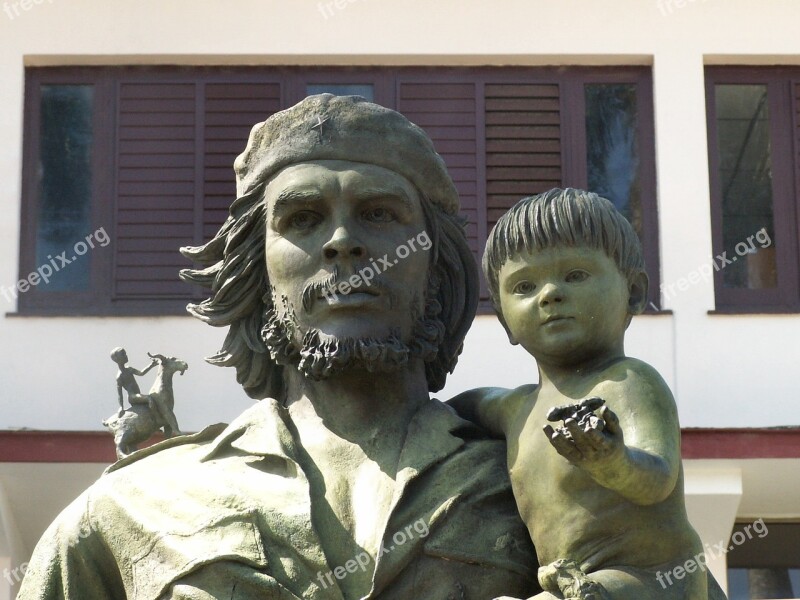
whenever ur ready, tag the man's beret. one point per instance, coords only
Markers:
(328, 127)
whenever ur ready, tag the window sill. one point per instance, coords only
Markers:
(485, 308)
(755, 310)
(139, 309)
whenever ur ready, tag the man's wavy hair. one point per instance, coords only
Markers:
(235, 272)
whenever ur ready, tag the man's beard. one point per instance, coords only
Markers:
(321, 356)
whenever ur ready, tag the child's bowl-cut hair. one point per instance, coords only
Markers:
(568, 217)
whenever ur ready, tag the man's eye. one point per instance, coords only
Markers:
(304, 219)
(576, 276)
(523, 288)
(379, 214)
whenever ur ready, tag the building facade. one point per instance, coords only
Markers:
(120, 122)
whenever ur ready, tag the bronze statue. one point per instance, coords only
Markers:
(148, 412)
(602, 496)
(126, 378)
(345, 480)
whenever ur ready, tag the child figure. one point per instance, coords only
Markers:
(126, 380)
(163, 414)
(602, 496)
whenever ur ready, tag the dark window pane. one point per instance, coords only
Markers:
(763, 583)
(364, 90)
(612, 152)
(770, 583)
(737, 584)
(745, 176)
(64, 178)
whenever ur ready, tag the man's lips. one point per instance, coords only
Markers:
(351, 299)
(353, 296)
(335, 291)
(335, 288)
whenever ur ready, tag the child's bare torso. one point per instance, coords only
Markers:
(569, 515)
(126, 379)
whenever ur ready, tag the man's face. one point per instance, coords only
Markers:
(565, 305)
(340, 217)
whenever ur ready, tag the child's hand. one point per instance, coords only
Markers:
(597, 443)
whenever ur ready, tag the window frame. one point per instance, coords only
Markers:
(785, 297)
(642, 78)
(91, 300)
(100, 299)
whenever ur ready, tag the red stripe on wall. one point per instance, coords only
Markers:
(59, 446)
(783, 442)
(98, 447)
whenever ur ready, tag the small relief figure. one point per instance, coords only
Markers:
(148, 413)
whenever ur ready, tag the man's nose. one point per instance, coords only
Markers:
(550, 293)
(343, 244)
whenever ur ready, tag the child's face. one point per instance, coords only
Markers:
(565, 305)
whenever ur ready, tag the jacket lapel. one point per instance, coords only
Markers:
(428, 442)
(262, 432)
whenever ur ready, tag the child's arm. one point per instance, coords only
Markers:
(139, 373)
(119, 394)
(491, 408)
(637, 454)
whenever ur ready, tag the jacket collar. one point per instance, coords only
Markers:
(434, 434)
(262, 430)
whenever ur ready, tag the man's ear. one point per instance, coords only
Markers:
(638, 285)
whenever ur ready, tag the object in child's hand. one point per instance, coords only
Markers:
(581, 412)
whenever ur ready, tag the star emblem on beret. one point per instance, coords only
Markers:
(319, 126)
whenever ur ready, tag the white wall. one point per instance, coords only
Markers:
(727, 371)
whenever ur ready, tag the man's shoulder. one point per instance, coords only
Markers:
(186, 442)
(477, 464)
(439, 421)
(158, 486)
(483, 524)
(175, 480)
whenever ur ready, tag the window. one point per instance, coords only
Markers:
(753, 165)
(144, 156)
(65, 181)
(366, 91)
(764, 566)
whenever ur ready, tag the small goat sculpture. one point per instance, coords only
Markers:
(148, 412)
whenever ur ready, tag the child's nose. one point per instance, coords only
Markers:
(550, 293)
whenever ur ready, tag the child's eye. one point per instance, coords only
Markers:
(523, 288)
(576, 276)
